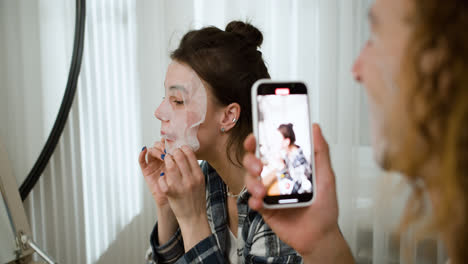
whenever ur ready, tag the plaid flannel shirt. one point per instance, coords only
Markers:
(256, 242)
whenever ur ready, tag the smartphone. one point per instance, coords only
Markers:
(282, 126)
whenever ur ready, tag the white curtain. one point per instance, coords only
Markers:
(92, 206)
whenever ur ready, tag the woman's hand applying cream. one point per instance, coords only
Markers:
(153, 169)
(184, 185)
(152, 165)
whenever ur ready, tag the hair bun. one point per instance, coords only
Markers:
(250, 33)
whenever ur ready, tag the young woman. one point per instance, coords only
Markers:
(295, 160)
(291, 173)
(415, 71)
(203, 216)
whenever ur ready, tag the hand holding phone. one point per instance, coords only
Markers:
(281, 124)
(313, 231)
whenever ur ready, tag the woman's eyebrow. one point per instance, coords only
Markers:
(178, 87)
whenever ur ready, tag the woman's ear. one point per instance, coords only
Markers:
(230, 116)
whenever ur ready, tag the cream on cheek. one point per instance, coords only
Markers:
(185, 112)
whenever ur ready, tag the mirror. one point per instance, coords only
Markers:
(13, 221)
(35, 54)
(7, 239)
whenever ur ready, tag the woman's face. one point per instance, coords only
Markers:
(285, 142)
(377, 68)
(184, 107)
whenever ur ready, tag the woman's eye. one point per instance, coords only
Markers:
(176, 100)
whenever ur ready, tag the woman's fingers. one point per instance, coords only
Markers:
(156, 154)
(249, 143)
(321, 149)
(191, 158)
(254, 184)
(173, 177)
(253, 165)
(163, 184)
(159, 145)
(142, 158)
(182, 164)
(256, 204)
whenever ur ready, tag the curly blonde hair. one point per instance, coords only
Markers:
(434, 115)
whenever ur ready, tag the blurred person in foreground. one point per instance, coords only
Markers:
(414, 68)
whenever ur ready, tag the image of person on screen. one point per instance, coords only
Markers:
(298, 167)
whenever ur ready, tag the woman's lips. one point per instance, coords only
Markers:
(168, 137)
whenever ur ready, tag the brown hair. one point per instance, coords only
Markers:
(434, 97)
(288, 132)
(230, 63)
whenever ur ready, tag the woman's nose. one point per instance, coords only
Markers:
(357, 67)
(358, 63)
(161, 112)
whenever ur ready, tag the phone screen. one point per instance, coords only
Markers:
(284, 142)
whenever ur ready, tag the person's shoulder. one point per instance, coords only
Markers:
(299, 152)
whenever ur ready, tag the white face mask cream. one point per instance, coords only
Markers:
(183, 108)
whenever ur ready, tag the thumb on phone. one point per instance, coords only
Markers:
(253, 167)
(324, 173)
